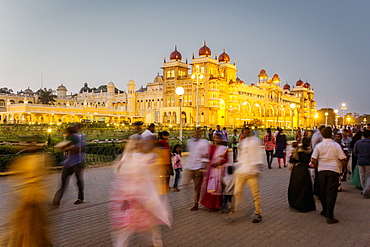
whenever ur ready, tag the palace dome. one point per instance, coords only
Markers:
(275, 78)
(252, 84)
(28, 91)
(299, 83)
(286, 87)
(158, 78)
(61, 88)
(262, 73)
(85, 88)
(307, 85)
(204, 51)
(175, 55)
(224, 57)
(110, 84)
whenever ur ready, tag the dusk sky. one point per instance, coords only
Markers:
(323, 42)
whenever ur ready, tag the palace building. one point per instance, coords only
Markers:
(211, 89)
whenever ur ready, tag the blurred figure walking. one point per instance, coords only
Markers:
(137, 202)
(249, 167)
(29, 225)
(198, 160)
(74, 163)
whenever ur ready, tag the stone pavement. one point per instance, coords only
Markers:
(88, 225)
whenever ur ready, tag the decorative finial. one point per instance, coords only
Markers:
(175, 47)
(193, 56)
(164, 60)
(204, 43)
(186, 61)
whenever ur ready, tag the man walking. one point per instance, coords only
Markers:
(250, 160)
(197, 161)
(329, 158)
(362, 150)
(74, 163)
(234, 140)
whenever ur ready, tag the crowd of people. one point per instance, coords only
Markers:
(138, 199)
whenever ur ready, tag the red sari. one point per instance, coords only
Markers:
(212, 199)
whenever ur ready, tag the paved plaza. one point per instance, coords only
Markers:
(88, 225)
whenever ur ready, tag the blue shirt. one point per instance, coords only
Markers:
(78, 157)
(362, 150)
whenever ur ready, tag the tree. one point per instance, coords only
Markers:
(6, 90)
(46, 96)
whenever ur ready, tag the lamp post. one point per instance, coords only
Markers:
(292, 106)
(49, 139)
(197, 75)
(344, 108)
(316, 116)
(326, 118)
(365, 120)
(180, 91)
(336, 117)
(348, 120)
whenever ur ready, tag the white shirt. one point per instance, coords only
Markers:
(147, 133)
(328, 153)
(316, 138)
(198, 154)
(229, 183)
(251, 156)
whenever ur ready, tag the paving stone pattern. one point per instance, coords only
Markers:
(88, 224)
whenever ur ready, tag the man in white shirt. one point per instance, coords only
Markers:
(197, 161)
(329, 158)
(251, 158)
(317, 137)
(149, 131)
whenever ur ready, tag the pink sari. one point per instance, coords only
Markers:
(212, 199)
(134, 203)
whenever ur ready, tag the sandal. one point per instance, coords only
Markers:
(79, 201)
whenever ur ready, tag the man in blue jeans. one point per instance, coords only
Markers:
(362, 150)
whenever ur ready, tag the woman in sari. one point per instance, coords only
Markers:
(212, 199)
(136, 202)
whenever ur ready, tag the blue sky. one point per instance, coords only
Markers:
(323, 42)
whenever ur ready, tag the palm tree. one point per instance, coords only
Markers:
(46, 96)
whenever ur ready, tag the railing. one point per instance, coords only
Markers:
(95, 153)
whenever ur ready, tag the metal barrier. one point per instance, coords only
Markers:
(94, 153)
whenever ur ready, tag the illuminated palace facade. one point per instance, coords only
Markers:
(222, 99)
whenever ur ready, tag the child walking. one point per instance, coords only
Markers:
(228, 183)
(177, 165)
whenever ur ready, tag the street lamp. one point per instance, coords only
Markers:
(365, 120)
(180, 91)
(336, 117)
(316, 116)
(292, 106)
(326, 118)
(348, 119)
(344, 108)
(49, 139)
(197, 75)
